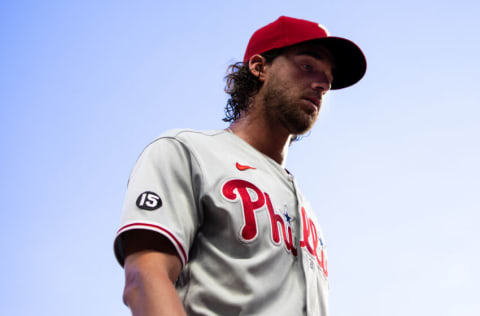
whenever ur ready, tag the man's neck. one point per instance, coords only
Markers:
(270, 139)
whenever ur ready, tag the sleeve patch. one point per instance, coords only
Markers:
(149, 201)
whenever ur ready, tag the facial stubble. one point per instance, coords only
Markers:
(287, 109)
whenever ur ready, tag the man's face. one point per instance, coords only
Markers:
(295, 83)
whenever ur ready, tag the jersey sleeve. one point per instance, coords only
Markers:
(161, 196)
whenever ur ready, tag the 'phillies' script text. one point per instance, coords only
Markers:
(237, 189)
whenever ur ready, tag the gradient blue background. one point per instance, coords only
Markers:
(391, 167)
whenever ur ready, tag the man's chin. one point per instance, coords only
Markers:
(300, 123)
(300, 131)
(302, 128)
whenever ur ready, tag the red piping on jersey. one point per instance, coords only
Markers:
(184, 255)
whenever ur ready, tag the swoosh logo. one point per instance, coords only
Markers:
(243, 167)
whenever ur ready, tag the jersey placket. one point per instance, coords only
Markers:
(299, 232)
(306, 267)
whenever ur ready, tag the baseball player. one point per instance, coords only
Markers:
(213, 224)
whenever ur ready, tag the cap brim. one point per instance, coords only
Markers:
(350, 63)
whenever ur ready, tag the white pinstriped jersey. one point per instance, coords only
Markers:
(248, 240)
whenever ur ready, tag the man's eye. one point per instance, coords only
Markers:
(307, 67)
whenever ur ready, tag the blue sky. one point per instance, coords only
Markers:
(391, 167)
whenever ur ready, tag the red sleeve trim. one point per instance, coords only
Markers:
(178, 245)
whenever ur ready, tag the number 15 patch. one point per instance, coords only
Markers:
(149, 201)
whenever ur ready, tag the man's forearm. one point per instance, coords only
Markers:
(149, 289)
(152, 295)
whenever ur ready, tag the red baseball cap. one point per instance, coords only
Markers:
(350, 63)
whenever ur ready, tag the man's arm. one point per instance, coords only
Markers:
(151, 267)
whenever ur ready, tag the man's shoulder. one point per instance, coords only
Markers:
(183, 134)
(182, 143)
(189, 138)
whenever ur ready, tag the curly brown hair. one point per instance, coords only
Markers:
(242, 85)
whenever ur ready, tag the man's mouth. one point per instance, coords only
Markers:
(315, 101)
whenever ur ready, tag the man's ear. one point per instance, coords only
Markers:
(257, 65)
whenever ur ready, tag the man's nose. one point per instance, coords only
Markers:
(322, 82)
